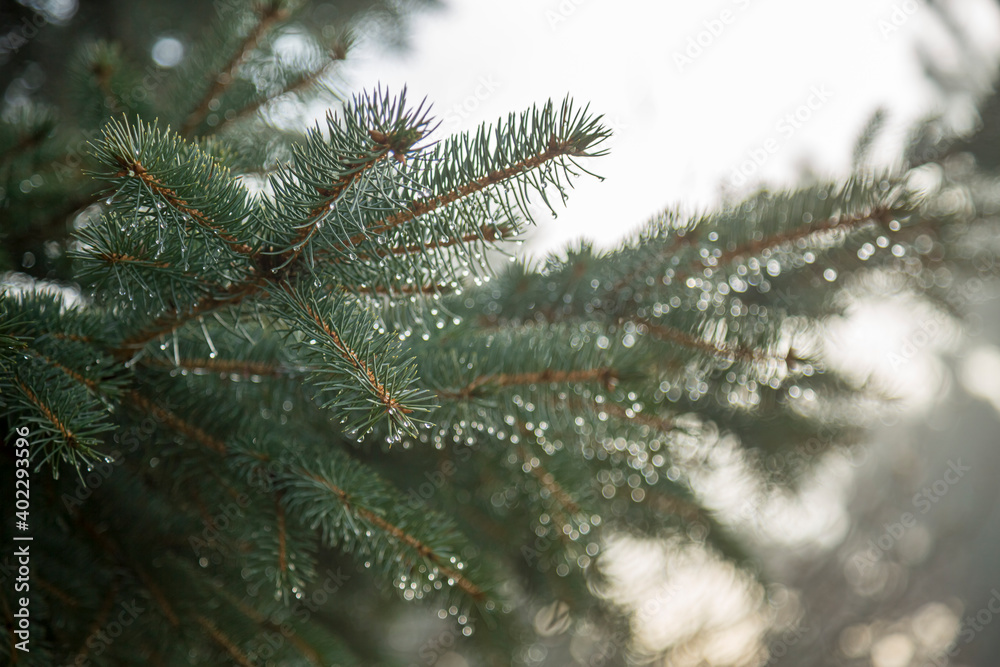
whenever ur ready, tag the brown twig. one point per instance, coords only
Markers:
(549, 483)
(222, 640)
(134, 168)
(352, 358)
(301, 83)
(97, 624)
(178, 424)
(684, 339)
(67, 434)
(608, 377)
(170, 321)
(420, 207)
(402, 536)
(227, 76)
(882, 215)
(119, 258)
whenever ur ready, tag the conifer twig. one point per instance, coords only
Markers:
(606, 376)
(356, 361)
(114, 258)
(86, 382)
(71, 337)
(282, 546)
(222, 640)
(302, 82)
(678, 243)
(674, 335)
(396, 290)
(308, 651)
(63, 596)
(549, 483)
(132, 167)
(663, 424)
(225, 78)
(159, 597)
(24, 144)
(95, 626)
(882, 215)
(183, 427)
(419, 207)
(332, 194)
(487, 232)
(106, 543)
(171, 321)
(675, 505)
(67, 434)
(400, 535)
(103, 72)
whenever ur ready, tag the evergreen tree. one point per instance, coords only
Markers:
(290, 402)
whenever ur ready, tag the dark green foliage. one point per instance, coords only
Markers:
(319, 385)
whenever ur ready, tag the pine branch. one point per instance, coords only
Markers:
(160, 178)
(271, 16)
(685, 509)
(549, 483)
(222, 640)
(367, 517)
(607, 377)
(398, 534)
(314, 188)
(91, 385)
(68, 437)
(115, 552)
(397, 291)
(171, 420)
(363, 378)
(358, 166)
(721, 351)
(134, 168)
(102, 75)
(282, 555)
(114, 258)
(419, 207)
(881, 215)
(72, 337)
(158, 597)
(171, 321)
(300, 83)
(97, 624)
(28, 140)
(349, 503)
(487, 233)
(353, 359)
(659, 424)
(304, 648)
(683, 238)
(51, 588)
(404, 217)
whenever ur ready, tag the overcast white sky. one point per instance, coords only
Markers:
(682, 126)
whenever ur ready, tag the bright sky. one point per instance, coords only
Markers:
(684, 119)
